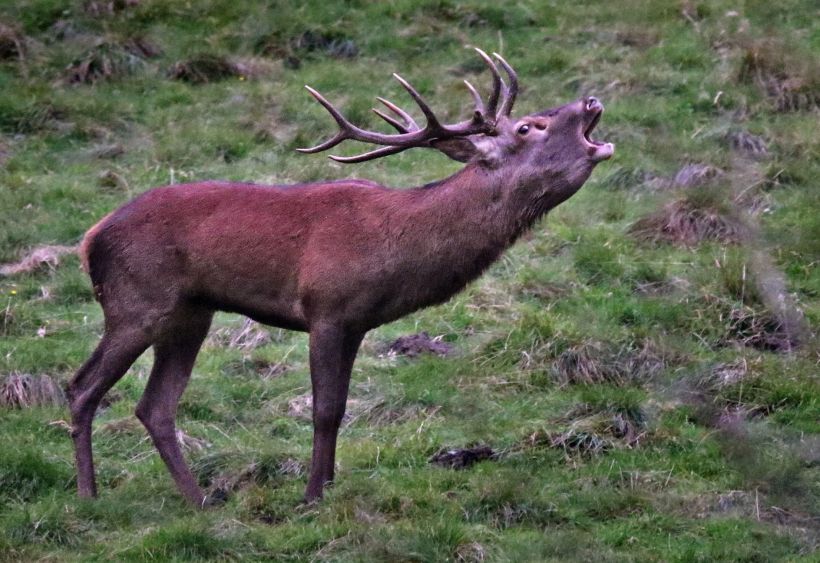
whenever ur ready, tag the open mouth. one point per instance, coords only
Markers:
(590, 128)
(597, 150)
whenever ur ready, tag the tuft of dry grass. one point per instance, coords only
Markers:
(104, 61)
(47, 256)
(413, 345)
(190, 443)
(207, 67)
(591, 430)
(228, 471)
(98, 8)
(592, 362)
(12, 43)
(142, 47)
(696, 174)
(686, 222)
(748, 143)
(462, 458)
(307, 43)
(126, 426)
(248, 336)
(19, 390)
(371, 410)
(790, 79)
(759, 329)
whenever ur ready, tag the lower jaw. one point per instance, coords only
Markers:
(599, 152)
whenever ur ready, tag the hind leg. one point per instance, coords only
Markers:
(174, 358)
(115, 353)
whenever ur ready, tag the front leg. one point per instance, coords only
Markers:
(332, 352)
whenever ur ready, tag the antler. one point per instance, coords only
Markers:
(410, 134)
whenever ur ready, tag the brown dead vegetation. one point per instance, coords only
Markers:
(759, 329)
(229, 471)
(206, 67)
(590, 363)
(142, 47)
(98, 8)
(590, 430)
(743, 141)
(305, 44)
(462, 458)
(5, 152)
(247, 336)
(413, 345)
(696, 174)
(371, 410)
(686, 222)
(789, 78)
(12, 43)
(104, 61)
(20, 390)
(47, 256)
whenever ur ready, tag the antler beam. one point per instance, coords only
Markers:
(410, 134)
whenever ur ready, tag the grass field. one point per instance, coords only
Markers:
(644, 364)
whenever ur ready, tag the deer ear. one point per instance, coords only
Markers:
(461, 149)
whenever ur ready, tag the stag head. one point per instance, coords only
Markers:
(553, 147)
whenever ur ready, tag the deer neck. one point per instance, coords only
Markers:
(481, 207)
(466, 221)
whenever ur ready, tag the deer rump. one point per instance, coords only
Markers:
(335, 258)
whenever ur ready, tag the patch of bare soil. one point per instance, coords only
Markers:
(414, 345)
(47, 256)
(462, 458)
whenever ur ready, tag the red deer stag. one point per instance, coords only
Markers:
(334, 259)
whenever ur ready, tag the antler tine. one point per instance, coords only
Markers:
(408, 119)
(432, 120)
(330, 143)
(410, 134)
(479, 103)
(498, 84)
(344, 125)
(399, 126)
(378, 153)
(512, 91)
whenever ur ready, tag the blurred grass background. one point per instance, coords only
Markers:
(644, 364)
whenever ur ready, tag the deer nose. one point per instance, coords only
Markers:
(593, 104)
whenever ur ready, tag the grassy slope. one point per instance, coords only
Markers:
(725, 467)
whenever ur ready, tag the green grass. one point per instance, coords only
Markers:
(642, 401)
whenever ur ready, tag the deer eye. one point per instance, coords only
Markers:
(523, 129)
